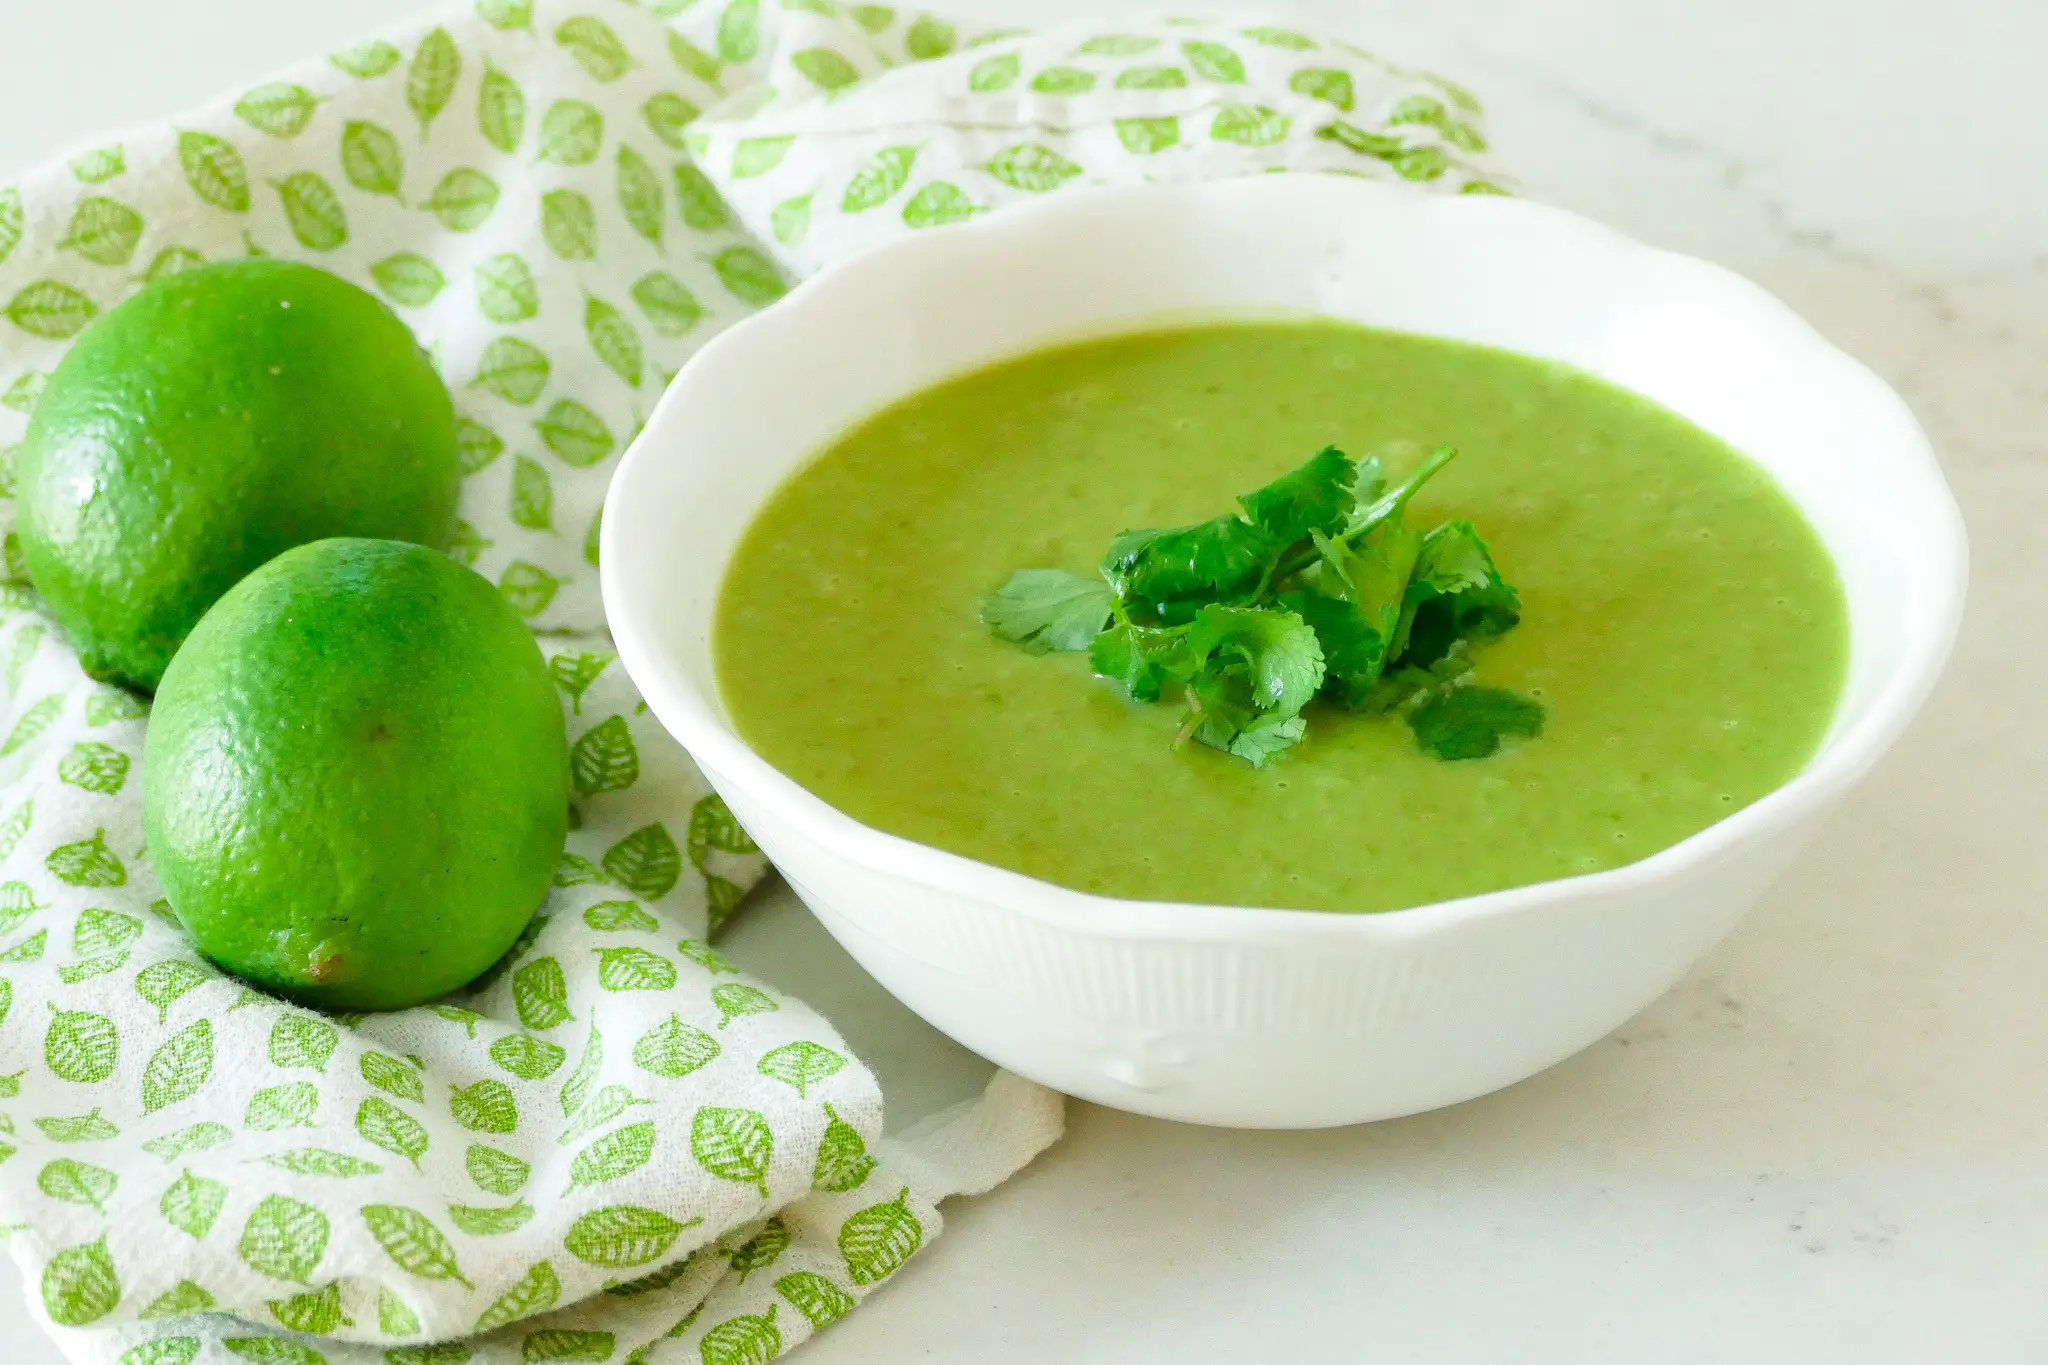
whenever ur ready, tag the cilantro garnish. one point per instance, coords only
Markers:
(1315, 587)
(1469, 722)
(1048, 610)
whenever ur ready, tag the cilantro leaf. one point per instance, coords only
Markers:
(1260, 739)
(1317, 496)
(1281, 657)
(1220, 557)
(1262, 744)
(1378, 506)
(1378, 571)
(1370, 482)
(1470, 722)
(1143, 662)
(1457, 593)
(1454, 559)
(1389, 503)
(1354, 646)
(1259, 667)
(1047, 610)
(1357, 608)
(1405, 683)
(1118, 654)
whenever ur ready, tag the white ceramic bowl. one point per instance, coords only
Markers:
(1253, 1017)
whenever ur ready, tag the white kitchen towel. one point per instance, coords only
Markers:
(616, 1148)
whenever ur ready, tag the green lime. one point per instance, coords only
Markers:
(214, 420)
(356, 780)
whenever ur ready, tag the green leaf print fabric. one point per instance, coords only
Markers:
(616, 1147)
(822, 169)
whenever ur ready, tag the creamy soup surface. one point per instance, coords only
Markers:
(1681, 622)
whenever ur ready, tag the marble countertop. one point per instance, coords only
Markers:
(1830, 1143)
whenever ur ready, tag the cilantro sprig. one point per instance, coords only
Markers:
(1315, 586)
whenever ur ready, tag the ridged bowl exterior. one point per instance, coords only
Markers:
(1253, 1017)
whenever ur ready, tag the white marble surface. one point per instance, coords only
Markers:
(1830, 1143)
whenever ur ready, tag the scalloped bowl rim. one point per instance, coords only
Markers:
(1845, 755)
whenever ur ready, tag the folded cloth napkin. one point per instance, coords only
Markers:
(617, 1147)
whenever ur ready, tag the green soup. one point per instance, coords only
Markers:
(1681, 622)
